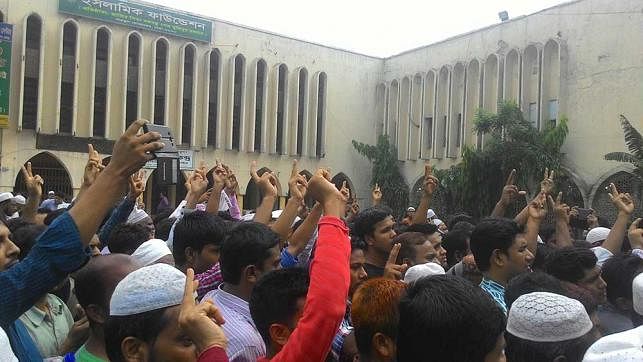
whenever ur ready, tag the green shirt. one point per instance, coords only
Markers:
(48, 330)
(83, 355)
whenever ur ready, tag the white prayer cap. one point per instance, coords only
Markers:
(430, 213)
(149, 288)
(422, 270)
(276, 214)
(547, 317)
(248, 217)
(51, 193)
(6, 196)
(410, 209)
(637, 294)
(597, 234)
(624, 346)
(151, 251)
(136, 215)
(437, 222)
(20, 200)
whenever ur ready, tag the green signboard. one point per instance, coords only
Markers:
(136, 15)
(6, 33)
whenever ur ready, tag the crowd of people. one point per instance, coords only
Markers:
(99, 279)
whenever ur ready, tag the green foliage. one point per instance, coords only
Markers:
(634, 142)
(511, 142)
(386, 173)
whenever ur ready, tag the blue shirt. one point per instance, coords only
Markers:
(57, 252)
(119, 215)
(496, 291)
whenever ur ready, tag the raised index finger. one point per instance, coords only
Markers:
(90, 149)
(511, 178)
(253, 170)
(294, 171)
(132, 130)
(392, 257)
(188, 293)
(428, 170)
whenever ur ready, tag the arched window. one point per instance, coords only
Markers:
(429, 114)
(31, 81)
(282, 83)
(320, 139)
(260, 91)
(403, 126)
(512, 77)
(101, 76)
(237, 100)
(380, 110)
(188, 84)
(160, 80)
(416, 117)
(490, 95)
(68, 77)
(531, 84)
(302, 109)
(442, 108)
(457, 109)
(550, 83)
(1, 17)
(472, 101)
(393, 108)
(133, 78)
(213, 96)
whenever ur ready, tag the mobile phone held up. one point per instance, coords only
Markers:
(167, 158)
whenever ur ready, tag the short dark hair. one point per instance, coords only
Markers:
(53, 215)
(357, 244)
(449, 317)
(247, 243)
(195, 230)
(375, 310)
(25, 238)
(543, 251)
(365, 221)
(454, 241)
(491, 234)
(619, 272)
(144, 326)
(459, 218)
(569, 264)
(126, 238)
(274, 298)
(522, 350)
(408, 241)
(426, 229)
(16, 223)
(526, 283)
(162, 228)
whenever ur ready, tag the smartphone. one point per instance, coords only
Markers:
(169, 148)
(584, 213)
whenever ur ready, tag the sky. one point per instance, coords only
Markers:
(378, 28)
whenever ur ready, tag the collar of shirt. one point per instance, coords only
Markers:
(497, 292)
(231, 302)
(37, 316)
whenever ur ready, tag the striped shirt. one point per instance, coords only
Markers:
(244, 341)
(496, 291)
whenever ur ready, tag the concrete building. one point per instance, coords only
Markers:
(248, 94)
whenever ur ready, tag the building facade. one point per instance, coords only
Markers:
(247, 94)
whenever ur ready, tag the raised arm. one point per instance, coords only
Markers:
(537, 213)
(130, 153)
(561, 217)
(429, 186)
(305, 231)
(34, 191)
(267, 185)
(297, 185)
(509, 194)
(625, 207)
(119, 214)
(329, 279)
(376, 195)
(218, 176)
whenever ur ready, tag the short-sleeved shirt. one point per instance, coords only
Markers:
(496, 291)
(48, 329)
(602, 255)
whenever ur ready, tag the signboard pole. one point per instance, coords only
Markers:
(6, 33)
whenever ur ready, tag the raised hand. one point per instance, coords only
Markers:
(537, 210)
(297, 183)
(431, 182)
(547, 184)
(322, 190)
(345, 191)
(136, 185)
(201, 322)
(33, 182)
(198, 181)
(510, 192)
(376, 195)
(231, 183)
(267, 183)
(392, 270)
(93, 167)
(622, 201)
(560, 209)
(133, 150)
(219, 175)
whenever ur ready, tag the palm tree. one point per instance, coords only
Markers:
(634, 142)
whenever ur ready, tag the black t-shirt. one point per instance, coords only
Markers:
(373, 271)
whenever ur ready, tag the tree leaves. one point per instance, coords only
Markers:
(634, 143)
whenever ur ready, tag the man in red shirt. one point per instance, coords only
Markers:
(297, 319)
